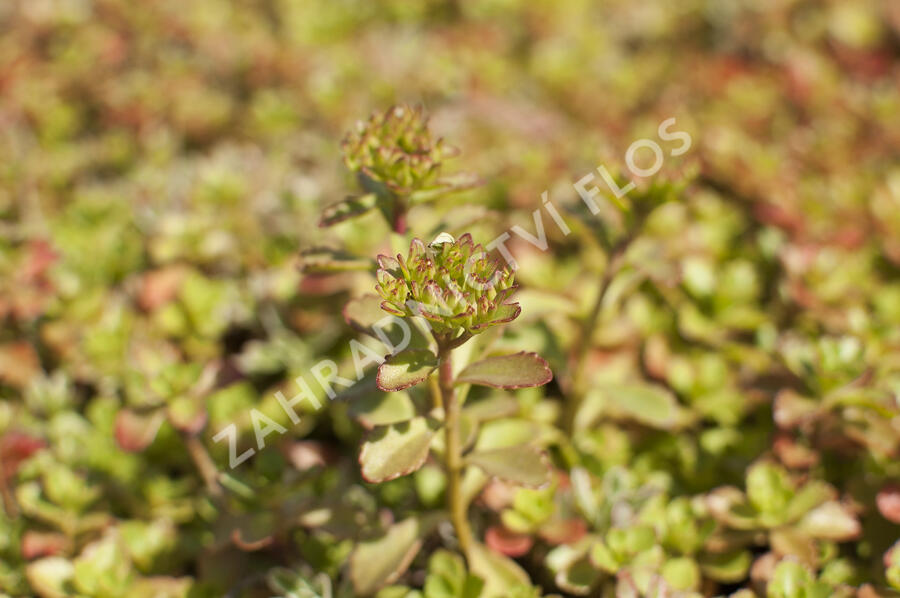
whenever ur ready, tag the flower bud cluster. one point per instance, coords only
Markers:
(453, 284)
(396, 149)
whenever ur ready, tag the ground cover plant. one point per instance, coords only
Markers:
(449, 299)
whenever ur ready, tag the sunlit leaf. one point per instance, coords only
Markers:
(396, 450)
(523, 464)
(406, 369)
(520, 370)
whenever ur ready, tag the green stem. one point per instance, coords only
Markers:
(204, 463)
(9, 500)
(437, 398)
(574, 388)
(455, 500)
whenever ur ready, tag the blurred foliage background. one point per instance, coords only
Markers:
(164, 163)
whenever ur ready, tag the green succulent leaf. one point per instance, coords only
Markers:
(830, 521)
(377, 563)
(520, 370)
(769, 488)
(50, 577)
(524, 464)
(382, 409)
(500, 574)
(396, 450)
(102, 569)
(727, 567)
(681, 574)
(448, 578)
(405, 369)
(647, 404)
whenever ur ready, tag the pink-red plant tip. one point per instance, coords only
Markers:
(888, 501)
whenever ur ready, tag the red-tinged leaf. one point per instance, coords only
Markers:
(405, 369)
(158, 287)
(563, 531)
(497, 494)
(18, 363)
(187, 414)
(38, 259)
(134, 431)
(502, 540)
(40, 544)
(793, 454)
(520, 370)
(16, 447)
(308, 454)
(888, 501)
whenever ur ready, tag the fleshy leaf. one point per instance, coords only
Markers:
(523, 464)
(500, 574)
(382, 409)
(365, 315)
(49, 577)
(508, 542)
(647, 404)
(728, 567)
(888, 501)
(397, 450)
(769, 487)
(406, 369)
(377, 563)
(350, 207)
(520, 370)
(448, 578)
(135, 432)
(831, 521)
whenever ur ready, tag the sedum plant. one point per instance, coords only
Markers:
(459, 293)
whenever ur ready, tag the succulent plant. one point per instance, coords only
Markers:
(723, 331)
(450, 284)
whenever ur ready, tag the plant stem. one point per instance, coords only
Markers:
(455, 500)
(399, 224)
(9, 500)
(437, 397)
(204, 463)
(578, 356)
(399, 215)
